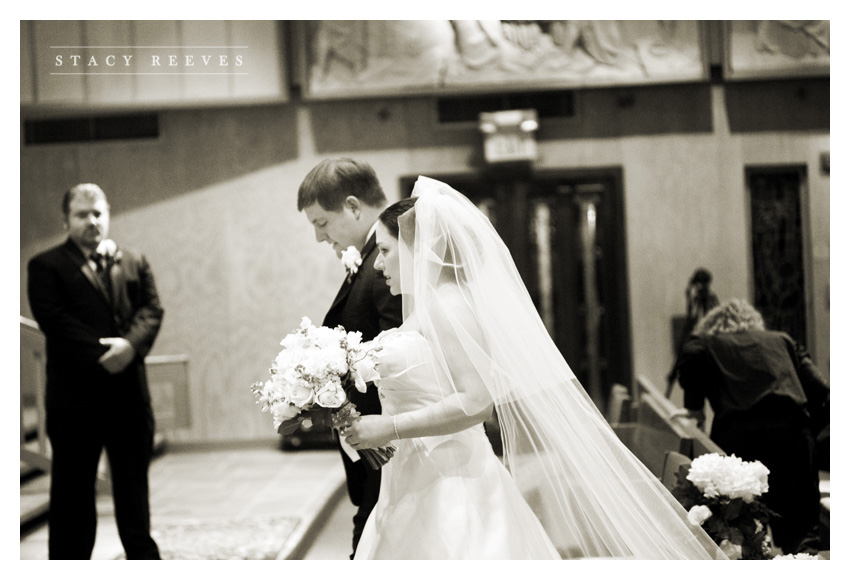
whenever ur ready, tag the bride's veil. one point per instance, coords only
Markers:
(593, 496)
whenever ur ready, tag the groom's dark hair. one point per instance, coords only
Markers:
(332, 180)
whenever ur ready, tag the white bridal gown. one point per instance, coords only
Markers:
(448, 496)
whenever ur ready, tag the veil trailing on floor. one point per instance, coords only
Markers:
(462, 291)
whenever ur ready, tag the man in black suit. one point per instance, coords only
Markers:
(342, 199)
(99, 310)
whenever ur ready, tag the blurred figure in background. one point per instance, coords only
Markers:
(700, 299)
(99, 310)
(769, 402)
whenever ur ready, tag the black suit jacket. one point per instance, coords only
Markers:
(72, 307)
(365, 305)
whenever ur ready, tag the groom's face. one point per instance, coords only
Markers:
(340, 229)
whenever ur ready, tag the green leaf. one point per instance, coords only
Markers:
(733, 509)
(735, 536)
(289, 426)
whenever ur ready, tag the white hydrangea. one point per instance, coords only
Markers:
(720, 475)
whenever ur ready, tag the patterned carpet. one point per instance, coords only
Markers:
(247, 539)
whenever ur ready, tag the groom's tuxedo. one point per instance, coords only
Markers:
(88, 408)
(364, 304)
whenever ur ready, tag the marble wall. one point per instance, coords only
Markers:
(212, 203)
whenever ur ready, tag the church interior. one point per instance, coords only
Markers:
(614, 158)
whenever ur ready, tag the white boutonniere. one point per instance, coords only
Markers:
(351, 260)
(110, 249)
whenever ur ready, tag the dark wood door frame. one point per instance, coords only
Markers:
(515, 186)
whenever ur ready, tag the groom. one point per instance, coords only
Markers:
(342, 199)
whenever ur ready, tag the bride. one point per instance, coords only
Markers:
(472, 341)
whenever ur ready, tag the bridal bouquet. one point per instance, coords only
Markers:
(720, 494)
(310, 380)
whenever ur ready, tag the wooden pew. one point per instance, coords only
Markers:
(657, 430)
(700, 442)
(672, 462)
(654, 432)
(619, 406)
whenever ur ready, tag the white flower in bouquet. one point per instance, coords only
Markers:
(698, 514)
(719, 475)
(352, 260)
(732, 551)
(801, 556)
(332, 395)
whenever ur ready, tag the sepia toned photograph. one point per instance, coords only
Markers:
(434, 290)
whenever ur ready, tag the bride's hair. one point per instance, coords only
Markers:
(389, 217)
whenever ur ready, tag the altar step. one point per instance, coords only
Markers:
(35, 500)
(35, 489)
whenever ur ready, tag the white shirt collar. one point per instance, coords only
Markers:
(372, 231)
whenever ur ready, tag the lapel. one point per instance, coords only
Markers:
(82, 261)
(347, 284)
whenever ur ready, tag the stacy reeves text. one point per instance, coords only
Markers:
(155, 60)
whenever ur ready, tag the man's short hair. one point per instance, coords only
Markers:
(84, 190)
(332, 180)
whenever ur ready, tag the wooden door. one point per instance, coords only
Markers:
(565, 231)
(777, 245)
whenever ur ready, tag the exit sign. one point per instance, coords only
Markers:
(509, 135)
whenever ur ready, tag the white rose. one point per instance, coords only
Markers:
(283, 411)
(300, 394)
(107, 247)
(733, 551)
(698, 514)
(331, 396)
(351, 259)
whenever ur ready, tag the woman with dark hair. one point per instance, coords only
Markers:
(769, 402)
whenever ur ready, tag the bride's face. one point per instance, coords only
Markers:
(387, 260)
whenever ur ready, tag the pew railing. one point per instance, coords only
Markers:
(700, 442)
(657, 428)
(33, 427)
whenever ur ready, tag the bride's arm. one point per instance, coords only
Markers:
(467, 402)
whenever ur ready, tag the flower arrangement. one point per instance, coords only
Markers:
(310, 381)
(720, 493)
(352, 260)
